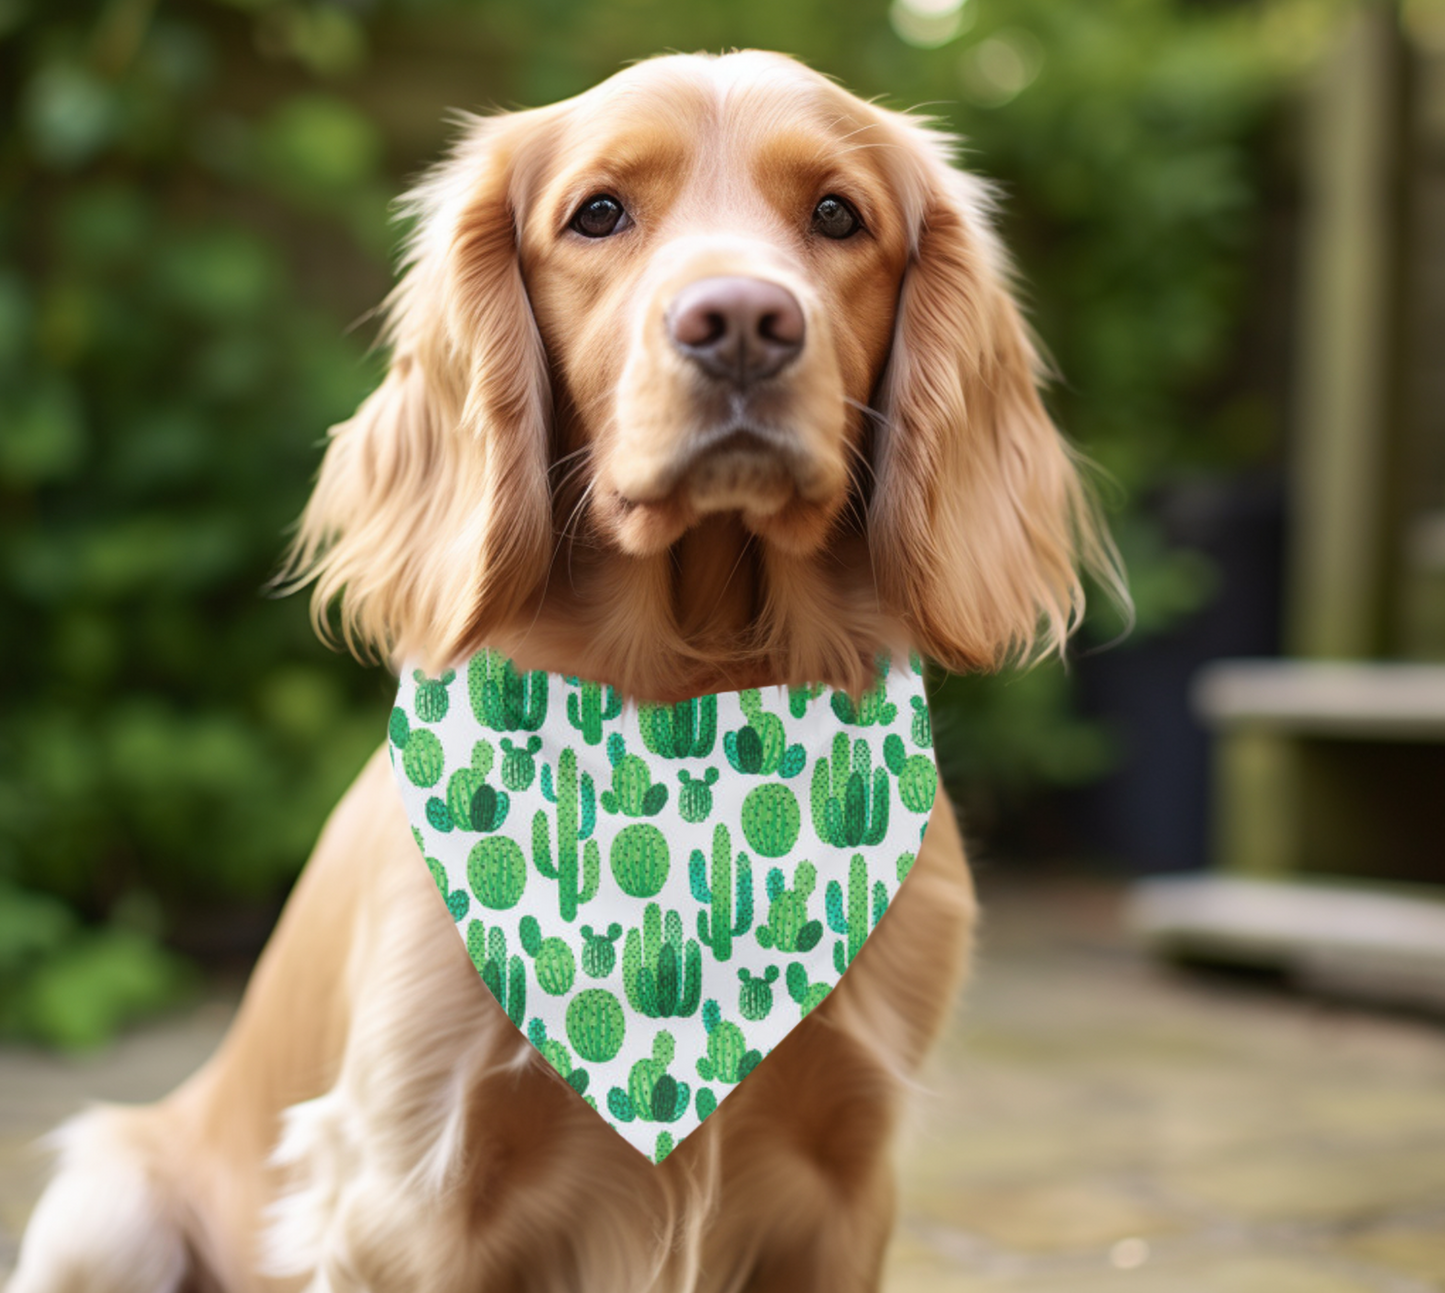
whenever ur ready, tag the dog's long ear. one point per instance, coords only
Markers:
(979, 521)
(430, 524)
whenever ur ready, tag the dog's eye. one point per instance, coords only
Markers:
(599, 216)
(833, 217)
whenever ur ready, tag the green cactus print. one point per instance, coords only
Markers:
(558, 1056)
(599, 951)
(873, 709)
(848, 808)
(788, 928)
(808, 995)
(497, 872)
(503, 699)
(633, 792)
(587, 709)
(694, 800)
(854, 923)
(421, 752)
(596, 1025)
(755, 997)
(639, 860)
(576, 818)
(556, 967)
(655, 894)
(916, 773)
(519, 762)
(771, 819)
(458, 901)
(471, 803)
(685, 730)
(652, 1094)
(922, 726)
(505, 976)
(728, 1059)
(718, 928)
(760, 748)
(662, 972)
(432, 700)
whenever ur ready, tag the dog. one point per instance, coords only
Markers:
(711, 377)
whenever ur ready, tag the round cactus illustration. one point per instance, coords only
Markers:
(639, 860)
(771, 819)
(432, 700)
(599, 951)
(595, 1025)
(556, 966)
(423, 759)
(497, 872)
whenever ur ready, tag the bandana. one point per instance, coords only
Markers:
(657, 894)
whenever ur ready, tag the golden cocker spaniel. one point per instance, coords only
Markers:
(708, 378)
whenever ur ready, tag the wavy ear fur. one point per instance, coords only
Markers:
(979, 520)
(431, 514)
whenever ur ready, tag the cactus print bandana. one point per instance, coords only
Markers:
(657, 894)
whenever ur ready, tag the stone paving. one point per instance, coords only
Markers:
(1093, 1124)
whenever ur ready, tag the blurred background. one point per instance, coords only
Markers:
(195, 224)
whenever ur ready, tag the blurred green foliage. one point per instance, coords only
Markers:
(193, 207)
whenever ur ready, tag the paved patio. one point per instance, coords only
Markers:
(1094, 1125)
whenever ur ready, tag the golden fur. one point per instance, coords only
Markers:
(534, 474)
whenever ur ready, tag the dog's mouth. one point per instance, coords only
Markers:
(752, 470)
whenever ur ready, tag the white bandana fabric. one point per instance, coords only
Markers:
(657, 894)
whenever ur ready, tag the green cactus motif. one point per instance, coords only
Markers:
(917, 776)
(807, 995)
(788, 927)
(922, 726)
(661, 973)
(719, 895)
(596, 1025)
(503, 699)
(598, 953)
(800, 697)
(505, 976)
(640, 860)
(558, 1056)
(853, 924)
(771, 819)
(694, 800)
(398, 727)
(844, 813)
(652, 1094)
(576, 817)
(471, 803)
(873, 707)
(438, 815)
(497, 872)
(905, 865)
(705, 1103)
(633, 793)
(755, 997)
(556, 968)
(519, 764)
(728, 1059)
(587, 709)
(432, 699)
(458, 901)
(760, 747)
(421, 752)
(685, 730)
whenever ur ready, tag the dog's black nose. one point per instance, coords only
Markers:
(738, 329)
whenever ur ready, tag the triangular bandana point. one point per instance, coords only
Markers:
(657, 894)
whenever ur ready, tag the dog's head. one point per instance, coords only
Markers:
(713, 364)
